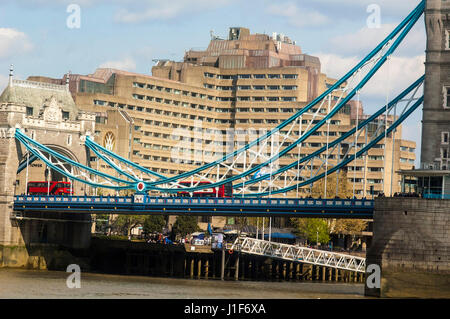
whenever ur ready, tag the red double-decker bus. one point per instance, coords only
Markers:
(224, 190)
(52, 188)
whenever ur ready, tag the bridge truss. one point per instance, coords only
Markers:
(250, 164)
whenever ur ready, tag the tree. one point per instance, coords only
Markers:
(101, 222)
(339, 226)
(344, 187)
(311, 228)
(124, 224)
(154, 223)
(348, 226)
(185, 225)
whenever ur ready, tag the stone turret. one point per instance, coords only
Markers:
(436, 109)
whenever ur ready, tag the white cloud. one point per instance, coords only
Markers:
(397, 6)
(298, 16)
(393, 77)
(3, 82)
(13, 42)
(365, 39)
(126, 64)
(163, 10)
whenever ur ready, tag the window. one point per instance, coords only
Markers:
(98, 102)
(139, 85)
(244, 76)
(444, 137)
(447, 39)
(273, 76)
(65, 115)
(289, 76)
(29, 111)
(259, 76)
(444, 153)
(447, 97)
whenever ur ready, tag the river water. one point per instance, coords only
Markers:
(24, 284)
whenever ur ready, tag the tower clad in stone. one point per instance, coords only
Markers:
(436, 108)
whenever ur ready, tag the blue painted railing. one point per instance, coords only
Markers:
(348, 208)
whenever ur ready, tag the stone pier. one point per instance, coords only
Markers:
(411, 244)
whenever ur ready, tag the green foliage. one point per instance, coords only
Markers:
(154, 223)
(185, 225)
(348, 226)
(310, 227)
(344, 189)
(123, 224)
(111, 237)
(101, 222)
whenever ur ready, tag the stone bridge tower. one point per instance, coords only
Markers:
(47, 113)
(411, 241)
(436, 109)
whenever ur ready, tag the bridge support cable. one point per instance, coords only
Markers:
(308, 160)
(301, 254)
(350, 158)
(60, 163)
(342, 92)
(28, 161)
(26, 176)
(374, 60)
(120, 164)
(376, 57)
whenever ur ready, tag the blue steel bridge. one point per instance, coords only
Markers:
(143, 204)
(241, 167)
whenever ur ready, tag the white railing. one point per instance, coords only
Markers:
(299, 254)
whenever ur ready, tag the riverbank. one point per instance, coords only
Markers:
(24, 284)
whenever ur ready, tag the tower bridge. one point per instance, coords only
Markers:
(41, 122)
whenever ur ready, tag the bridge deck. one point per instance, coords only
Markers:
(143, 204)
(299, 254)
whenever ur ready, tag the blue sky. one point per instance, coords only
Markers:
(129, 34)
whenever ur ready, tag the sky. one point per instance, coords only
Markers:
(53, 37)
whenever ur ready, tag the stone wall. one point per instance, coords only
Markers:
(411, 244)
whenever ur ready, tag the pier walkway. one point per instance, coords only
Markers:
(299, 254)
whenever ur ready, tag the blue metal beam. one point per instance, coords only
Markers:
(405, 25)
(24, 164)
(250, 207)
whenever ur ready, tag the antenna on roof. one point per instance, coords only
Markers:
(11, 74)
(67, 80)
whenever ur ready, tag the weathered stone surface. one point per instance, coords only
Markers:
(411, 244)
(46, 125)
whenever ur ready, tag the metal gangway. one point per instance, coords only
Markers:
(299, 254)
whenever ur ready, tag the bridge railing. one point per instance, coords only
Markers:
(299, 254)
(289, 202)
(72, 199)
